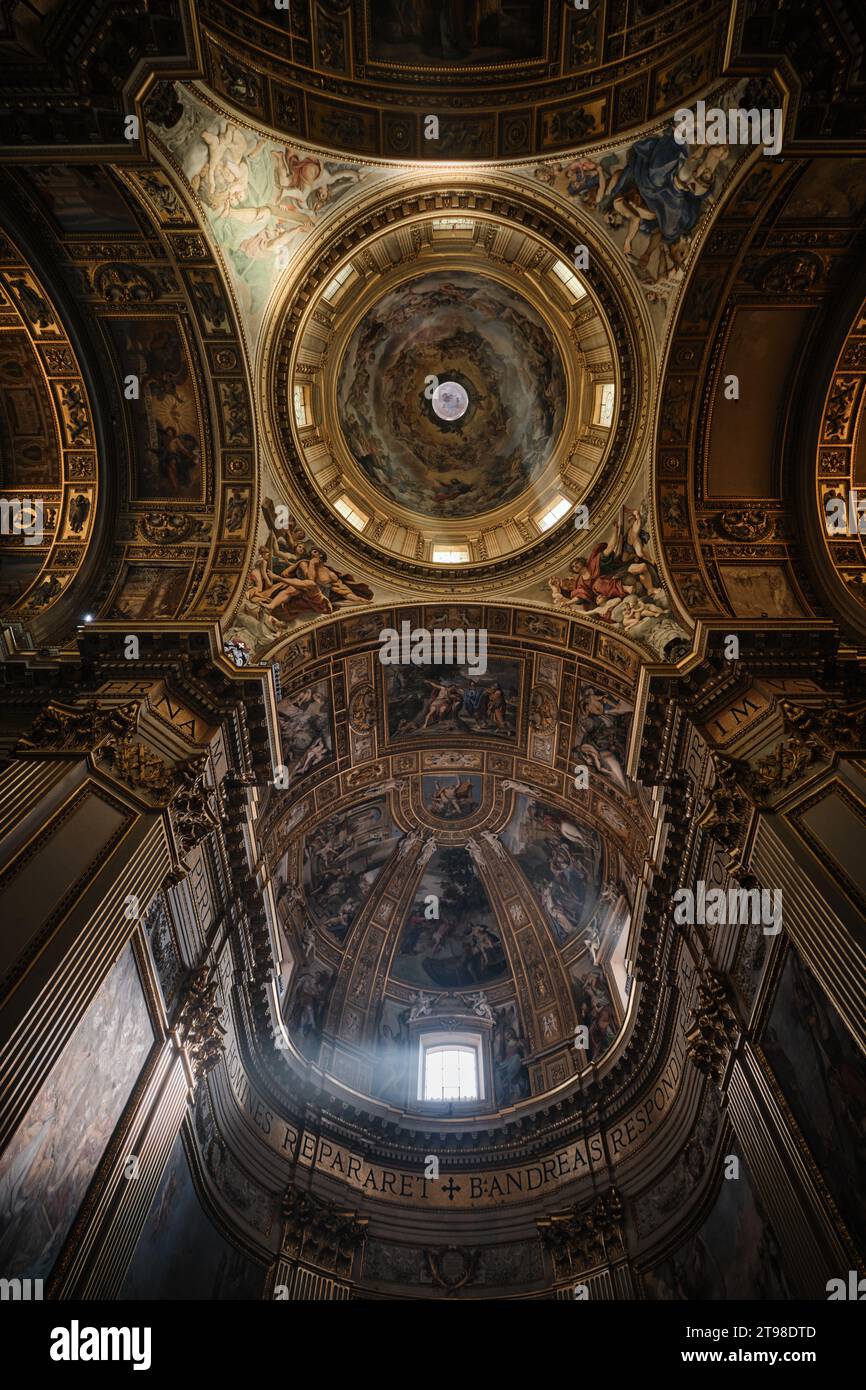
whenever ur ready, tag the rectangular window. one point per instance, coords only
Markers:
(565, 273)
(450, 1068)
(353, 514)
(605, 396)
(450, 1073)
(332, 290)
(450, 554)
(301, 402)
(552, 514)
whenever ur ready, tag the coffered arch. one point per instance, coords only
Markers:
(728, 469)
(172, 390)
(54, 442)
(832, 424)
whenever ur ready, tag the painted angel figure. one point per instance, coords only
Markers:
(271, 592)
(222, 178)
(611, 571)
(562, 925)
(307, 182)
(455, 799)
(599, 734)
(291, 576)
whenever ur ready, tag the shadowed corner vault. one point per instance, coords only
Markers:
(432, 717)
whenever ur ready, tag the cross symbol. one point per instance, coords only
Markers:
(451, 1188)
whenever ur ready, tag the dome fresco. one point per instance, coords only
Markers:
(461, 947)
(466, 329)
(447, 387)
(448, 886)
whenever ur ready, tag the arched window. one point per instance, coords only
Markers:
(450, 1071)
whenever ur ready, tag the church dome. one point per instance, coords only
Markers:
(463, 452)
